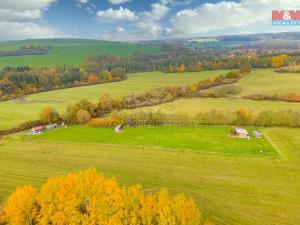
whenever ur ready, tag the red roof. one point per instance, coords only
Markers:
(38, 128)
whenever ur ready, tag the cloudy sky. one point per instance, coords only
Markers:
(130, 20)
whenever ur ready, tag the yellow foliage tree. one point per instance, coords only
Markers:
(22, 207)
(181, 68)
(83, 116)
(49, 115)
(88, 198)
(279, 60)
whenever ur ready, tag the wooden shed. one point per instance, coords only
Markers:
(241, 133)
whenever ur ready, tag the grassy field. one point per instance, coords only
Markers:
(69, 51)
(17, 111)
(258, 82)
(269, 82)
(203, 138)
(231, 189)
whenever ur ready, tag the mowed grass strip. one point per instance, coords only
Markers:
(199, 139)
(17, 111)
(231, 189)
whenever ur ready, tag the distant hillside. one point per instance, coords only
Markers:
(283, 41)
(69, 51)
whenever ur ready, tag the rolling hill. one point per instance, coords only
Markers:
(69, 51)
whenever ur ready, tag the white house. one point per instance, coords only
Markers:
(241, 133)
(118, 128)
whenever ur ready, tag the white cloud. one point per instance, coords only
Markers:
(117, 14)
(149, 24)
(24, 30)
(158, 11)
(117, 34)
(117, 2)
(24, 19)
(225, 15)
(149, 27)
(19, 15)
(83, 1)
(25, 4)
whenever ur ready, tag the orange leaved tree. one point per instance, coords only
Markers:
(89, 198)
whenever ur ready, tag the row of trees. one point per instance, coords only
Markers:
(241, 117)
(275, 97)
(16, 82)
(89, 198)
(172, 63)
(83, 111)
(26, 50)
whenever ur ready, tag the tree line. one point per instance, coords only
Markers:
(240, 117)
(19, 81)
(26, 50)
(274, 97)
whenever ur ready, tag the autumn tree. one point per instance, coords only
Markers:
(72, 110)
(171, 69)
(92, 79)
(279, 61)
(49, 115)
(89, 198)
(83, 116)
(244, 117)
(246, 68)
(181, 68)
(107, 104)
(22, 207)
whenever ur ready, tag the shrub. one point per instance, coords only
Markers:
(70, 116)
(107, 104)
(221, 92)
(89, 198)
(104, 122)
(83, 116)
(246, 68)
(49, 115)
(233, 74)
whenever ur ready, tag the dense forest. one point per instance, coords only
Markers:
(16, 82)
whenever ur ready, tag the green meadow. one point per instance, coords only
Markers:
(69, 51)
(26, 108)
(232, 189)
(269, 82)
(202, 138)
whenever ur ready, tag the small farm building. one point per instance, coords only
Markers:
(51, 126)
(118, 128)
(257, 134)
(36, 130)
(241, 133)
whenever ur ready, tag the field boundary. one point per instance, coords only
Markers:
(274, 145)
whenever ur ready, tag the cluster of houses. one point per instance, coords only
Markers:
(243, 133)
(42, 129)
